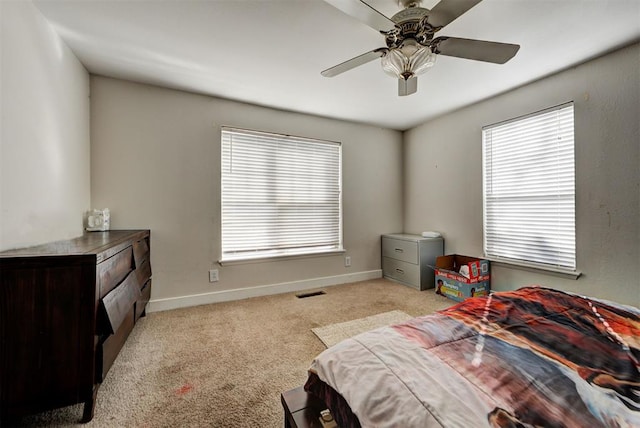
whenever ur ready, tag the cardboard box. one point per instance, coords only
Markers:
(450, 283)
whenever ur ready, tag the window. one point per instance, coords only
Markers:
(281, 195)
(529, 190)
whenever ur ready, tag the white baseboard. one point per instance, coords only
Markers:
(263, 290)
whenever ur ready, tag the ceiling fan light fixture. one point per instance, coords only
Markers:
(394, 63)
(407, 60)
(422, 60)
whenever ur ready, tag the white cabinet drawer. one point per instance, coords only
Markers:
(400, 249)
(407, 273)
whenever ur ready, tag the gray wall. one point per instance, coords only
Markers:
(44, 145)
(155, 162)
(443, 174)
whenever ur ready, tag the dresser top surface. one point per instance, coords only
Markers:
(88, 243)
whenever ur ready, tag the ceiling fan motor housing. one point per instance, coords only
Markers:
(411, 23)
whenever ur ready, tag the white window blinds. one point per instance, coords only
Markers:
(529, 189)
(281, 195)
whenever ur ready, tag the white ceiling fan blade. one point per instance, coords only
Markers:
(448, 10)
(354, 62)
(479, 50)
(364, 13)
(407, 87)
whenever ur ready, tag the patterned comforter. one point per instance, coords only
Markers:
(531, 357)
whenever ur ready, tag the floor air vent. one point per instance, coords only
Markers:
(309, 294)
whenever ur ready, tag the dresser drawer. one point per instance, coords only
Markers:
(141, 251)
(143, 272)
(407, 273)
(399, 249)
(113, 270)
(109, 349)
(145, 295)
(117, 305)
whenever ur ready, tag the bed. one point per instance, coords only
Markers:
(530, 357)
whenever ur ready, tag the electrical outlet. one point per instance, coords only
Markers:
(347, 261)
(213, 275)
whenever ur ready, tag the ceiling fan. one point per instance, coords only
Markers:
(409, 35)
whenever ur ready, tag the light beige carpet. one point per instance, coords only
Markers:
(226, 364)
(335, 333)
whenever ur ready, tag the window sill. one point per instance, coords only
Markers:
(266, 259)
(559, 272)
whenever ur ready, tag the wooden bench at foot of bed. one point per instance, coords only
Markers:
(301, 410)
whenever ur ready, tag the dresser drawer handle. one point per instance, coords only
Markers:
(399, 250)
(400, 271)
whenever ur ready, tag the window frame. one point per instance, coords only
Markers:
(523, 263)
(227, 257)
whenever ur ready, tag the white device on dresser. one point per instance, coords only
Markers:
(97, 220)
(408, 259)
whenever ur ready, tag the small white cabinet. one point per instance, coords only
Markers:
(408, 259)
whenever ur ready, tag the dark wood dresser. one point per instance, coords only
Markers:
(66, 310)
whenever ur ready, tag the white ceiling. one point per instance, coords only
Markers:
(271, 52)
